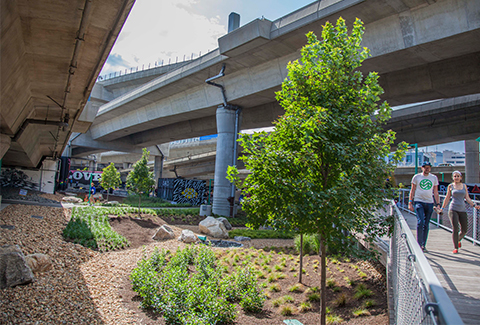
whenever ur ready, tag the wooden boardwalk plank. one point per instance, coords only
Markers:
(459, 274)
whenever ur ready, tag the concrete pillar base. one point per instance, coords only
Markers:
(471, 162)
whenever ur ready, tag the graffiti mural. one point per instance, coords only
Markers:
(189, 191)
(11, 177)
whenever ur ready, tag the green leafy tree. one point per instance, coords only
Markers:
(323, 168)
(140, 180)
(110, 178)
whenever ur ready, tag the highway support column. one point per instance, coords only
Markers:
(227, 120)
(471, 162)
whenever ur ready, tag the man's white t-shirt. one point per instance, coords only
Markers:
(424, 189)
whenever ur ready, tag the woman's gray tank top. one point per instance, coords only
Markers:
(458, 196)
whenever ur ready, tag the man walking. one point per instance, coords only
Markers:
(424, 188)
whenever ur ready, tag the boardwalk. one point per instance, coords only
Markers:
(458, 273)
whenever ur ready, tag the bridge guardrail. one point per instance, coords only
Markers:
(473, 232)
(416, 293)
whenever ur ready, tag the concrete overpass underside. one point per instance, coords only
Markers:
(422, 51)
(51, 54)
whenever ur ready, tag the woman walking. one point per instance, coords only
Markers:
(458, 191)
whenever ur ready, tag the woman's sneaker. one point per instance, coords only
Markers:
(459, 244)
(455, 251)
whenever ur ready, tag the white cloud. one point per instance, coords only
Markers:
(157, 30)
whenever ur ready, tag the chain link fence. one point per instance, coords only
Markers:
(416, 295)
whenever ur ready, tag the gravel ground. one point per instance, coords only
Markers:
(84, 286)
(12, 193)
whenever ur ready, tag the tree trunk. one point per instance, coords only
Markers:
(301, 259)
(139, 198)
(323, 280)
(108, 191)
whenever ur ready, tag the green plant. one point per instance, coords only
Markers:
(140, 179)
(360, 312)
(311, 243)
(348, 281)
(341, 300)
(297, 287)
(110, 178)
(370, 303)
(362, 274)
(260, 234)
(204, 296)
(362, 291)
(275, 287)
(334, 319)
(305, 306)
(314, 296)
(90, 227)
(321, 169)
(331, 282)
(288, 310)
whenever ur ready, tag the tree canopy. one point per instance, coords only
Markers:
(140, 180)
(110, 178)
(323, 169)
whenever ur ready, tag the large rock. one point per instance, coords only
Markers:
(13, 267)
(71, 199)
(163, 233)
(38, 262)
(213, 227)
(227, 224)
(188, 236)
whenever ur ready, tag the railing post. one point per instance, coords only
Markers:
(474, 234)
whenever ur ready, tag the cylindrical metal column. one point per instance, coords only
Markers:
(471, 162)
(224, 158)
(157, 170)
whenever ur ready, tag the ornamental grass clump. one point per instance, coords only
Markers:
(189, 288)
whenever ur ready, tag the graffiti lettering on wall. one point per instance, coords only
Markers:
(17, 178)
(83, 176)
(188, 191)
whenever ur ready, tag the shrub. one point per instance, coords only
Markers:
(191, 289)
(311, 243)
(260, 233)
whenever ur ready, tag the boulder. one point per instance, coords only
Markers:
(227, 224)
(71, 199)
(38, 262)
(163, 233)
(13, 267)
(188, 236)
(242, 238)
(213, 227)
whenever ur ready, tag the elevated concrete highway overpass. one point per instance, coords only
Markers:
(51, 54)
(422, 51)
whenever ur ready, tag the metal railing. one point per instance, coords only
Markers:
(473, 232)
(417, 297)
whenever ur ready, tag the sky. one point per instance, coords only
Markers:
(168, 30)
(164, 30)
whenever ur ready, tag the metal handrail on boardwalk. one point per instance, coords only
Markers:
(473, 231)
(417, 295)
